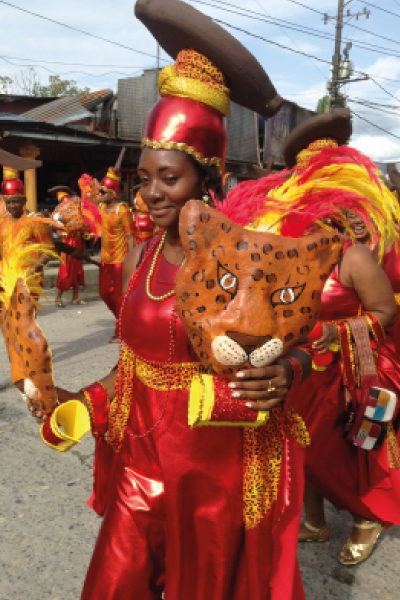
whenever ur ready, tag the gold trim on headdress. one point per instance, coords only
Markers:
(171, 84)
(182, 147)
(303, 158)
(9, 174)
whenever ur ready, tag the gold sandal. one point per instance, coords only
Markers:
(317, 534)
(360, 552)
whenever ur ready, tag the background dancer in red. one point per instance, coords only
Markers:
(142, 221)
(117, 240)
(71, 273)
(17, 218)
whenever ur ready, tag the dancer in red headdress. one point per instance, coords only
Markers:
(116, 241)
(70, 274)
(17, 218)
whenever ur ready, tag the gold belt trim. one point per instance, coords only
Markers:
(397, 298)
(167, 377)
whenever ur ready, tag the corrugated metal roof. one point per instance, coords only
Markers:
(59, 112)
(91, 100)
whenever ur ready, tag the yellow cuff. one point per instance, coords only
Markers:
(201, 405)
(66, 426)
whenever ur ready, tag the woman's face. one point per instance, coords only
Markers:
(168, 180)
(358, 226)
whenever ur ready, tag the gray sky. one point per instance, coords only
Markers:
(30, 41)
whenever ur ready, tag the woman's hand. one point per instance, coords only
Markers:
(263, 388)
(63, 396)
(329, 335)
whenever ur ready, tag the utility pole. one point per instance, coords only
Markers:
(339, 78)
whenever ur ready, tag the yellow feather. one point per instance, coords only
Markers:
(18, 265)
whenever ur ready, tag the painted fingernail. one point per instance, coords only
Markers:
(240, 374)
(232, 384)
(249, 405)
(235, 394)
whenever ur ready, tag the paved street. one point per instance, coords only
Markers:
(46, 531)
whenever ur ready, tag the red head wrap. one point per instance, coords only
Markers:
(12, 185)
(111, 181)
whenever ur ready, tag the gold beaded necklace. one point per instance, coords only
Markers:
(151, 271)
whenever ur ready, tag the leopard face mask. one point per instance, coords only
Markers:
(245, 297)
(69, 214)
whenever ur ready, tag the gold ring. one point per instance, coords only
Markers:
(270, 387)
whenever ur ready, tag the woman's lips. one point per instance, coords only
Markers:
(159, 212)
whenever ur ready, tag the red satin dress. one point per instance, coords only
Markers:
(352, 479)
(71, 272)
(174, 517)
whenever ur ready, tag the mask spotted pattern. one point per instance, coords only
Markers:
(245, 297)
(28, 351)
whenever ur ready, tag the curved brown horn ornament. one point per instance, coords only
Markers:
(176, 25)
(335, 124)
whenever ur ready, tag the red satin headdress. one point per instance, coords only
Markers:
(190, 115)
(12, 185)
(111, 181)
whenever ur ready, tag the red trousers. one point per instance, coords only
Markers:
(110, 286)
(71, 272)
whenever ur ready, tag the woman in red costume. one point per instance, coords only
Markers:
(326, 181)
(172, 497)
(70, 274)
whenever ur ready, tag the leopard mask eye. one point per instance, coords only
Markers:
(287, 295)
(227, 281)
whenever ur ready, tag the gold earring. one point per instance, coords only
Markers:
(206, 198)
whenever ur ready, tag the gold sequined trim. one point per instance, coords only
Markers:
(262, 461)
(182, 147)
(397, 297)
(168, 377)
(161, 377)
(171, 84)
(303, 158)
(121, 405)
(393, 448)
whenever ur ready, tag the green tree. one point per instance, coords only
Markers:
(324, 104)
(61, 87)
(6, 84)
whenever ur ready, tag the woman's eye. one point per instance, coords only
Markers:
(171, 178)
(143, 179)
(286, 295)
(227, 280)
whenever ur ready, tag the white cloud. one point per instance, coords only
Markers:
(377, 147)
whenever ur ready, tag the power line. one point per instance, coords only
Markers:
(380, 109)
(70, 72)
(389, 12)
(376, 126)
(57, 62)
(327, 62)
(383, 89)
(292, 40)
(305, 6)
(97, 37)
(295, 27)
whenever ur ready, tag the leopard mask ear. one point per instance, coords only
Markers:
(27, 349)
(245, 297)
